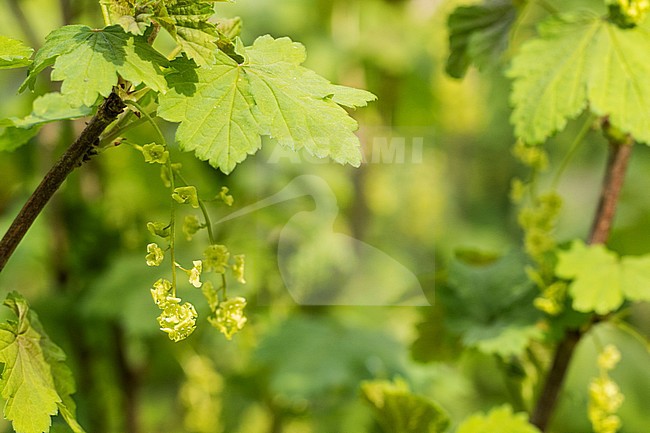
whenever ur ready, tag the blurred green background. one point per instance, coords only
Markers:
(297, 368)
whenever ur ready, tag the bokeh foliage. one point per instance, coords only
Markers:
(299, 368)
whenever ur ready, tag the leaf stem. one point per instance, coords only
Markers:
(172, 218)
(204, 211)
(575, 145)
(619, 155)
(105, 13)
(74, 157)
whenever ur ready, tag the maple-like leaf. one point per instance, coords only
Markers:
(489, 304)
(399, 410)
(217, 120)
(478, 34)
(225, 107)
(31, 360)
(13, 53)
(579, 61)
(602, 281)
(500, 419)
(185, 20)
(88, 62)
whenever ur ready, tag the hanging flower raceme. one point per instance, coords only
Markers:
(605, 397)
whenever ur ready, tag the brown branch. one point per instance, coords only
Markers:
(619, 155)
(72, 158)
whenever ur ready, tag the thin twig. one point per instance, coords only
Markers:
(72, 158)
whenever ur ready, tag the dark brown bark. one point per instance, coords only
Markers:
(74, 156)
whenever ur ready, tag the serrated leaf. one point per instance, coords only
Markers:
(13, 53)
(601, 282)
(490, 305)
(187, 22)
(88, 62)
(30, 361)
(56, 43)
(578, 61)
(478, 34)
(270, 94)
(501, 420)
(217, 121)
(635, 278)
(596, 277)
(400, 411)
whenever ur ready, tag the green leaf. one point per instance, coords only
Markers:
(579, 61)
(231, 104)
(478, 34)
(501, 420)
(602, 281)
(52, 107)
(217, 121)
(35, 382)
(300, 364)
(489, 304)
(13, 53)
(400, 411)
(187, 22)
(88, 62)
(48, 108)
(12, 137)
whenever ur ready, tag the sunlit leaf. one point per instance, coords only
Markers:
(35, 382)
(224, 108)
(13, 53)
(88, 62)
(602, 281)
(52, 107)
(578, 61)
(501, 420)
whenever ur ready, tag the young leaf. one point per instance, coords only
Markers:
(478, 34)
(500, 419)
(231, 104)
(401, 411)
(52, 107)
(31, 360)
(580, 60)
(88, 62)
(601, 282)
(13, 53)
(187, 22)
